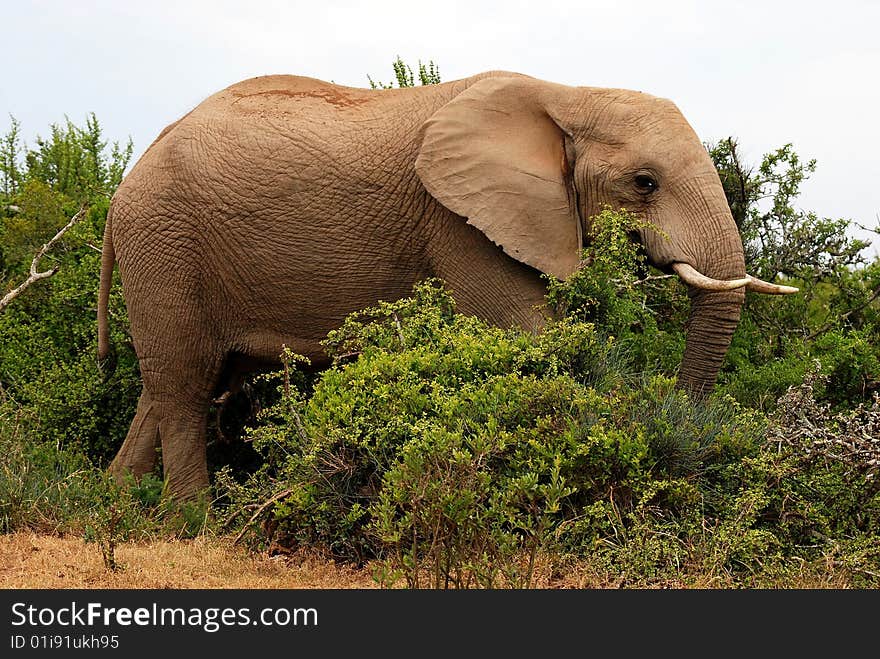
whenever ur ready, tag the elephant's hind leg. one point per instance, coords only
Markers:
(185, 465)
(180, 355)
(138, 454)
(185, 391)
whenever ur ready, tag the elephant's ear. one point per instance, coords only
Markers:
(495, 156)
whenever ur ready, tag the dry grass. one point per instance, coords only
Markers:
(582, 574)
(29, 560)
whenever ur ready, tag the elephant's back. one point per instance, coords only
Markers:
(252, 133)
(271, 107)
(275, 145)
(287, 104)
(269, 160)
(289, 94)
(275, 134)
(278, 120)
(287, 98)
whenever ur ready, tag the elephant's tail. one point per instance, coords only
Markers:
(108, 259)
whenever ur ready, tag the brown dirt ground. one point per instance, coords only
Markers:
(29, 560)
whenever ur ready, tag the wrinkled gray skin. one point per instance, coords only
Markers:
(281, 204)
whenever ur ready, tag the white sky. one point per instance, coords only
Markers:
(766, 71)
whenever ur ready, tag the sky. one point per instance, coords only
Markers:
(766, 72)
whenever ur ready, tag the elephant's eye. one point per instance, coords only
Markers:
(645, 184)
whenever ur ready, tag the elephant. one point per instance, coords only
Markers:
(281, 204)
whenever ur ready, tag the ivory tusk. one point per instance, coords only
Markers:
(694, 277)
(761, 286)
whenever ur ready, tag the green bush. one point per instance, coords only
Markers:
(642, 309)
(456, 452)
(423, 372)
(834, 318)
(48, 344)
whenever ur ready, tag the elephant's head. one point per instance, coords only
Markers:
(529, 162)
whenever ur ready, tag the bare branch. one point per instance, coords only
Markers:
(399, 329)
(875, 229)
(642, 281)
(260, 510)
(35, 275)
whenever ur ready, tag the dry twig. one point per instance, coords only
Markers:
(638, 282)
(35, 274)
(810, 428)
(259, 512)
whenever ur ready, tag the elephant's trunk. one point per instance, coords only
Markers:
(713, 320)
(717, 282)
(717, 291)
(715, 314)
